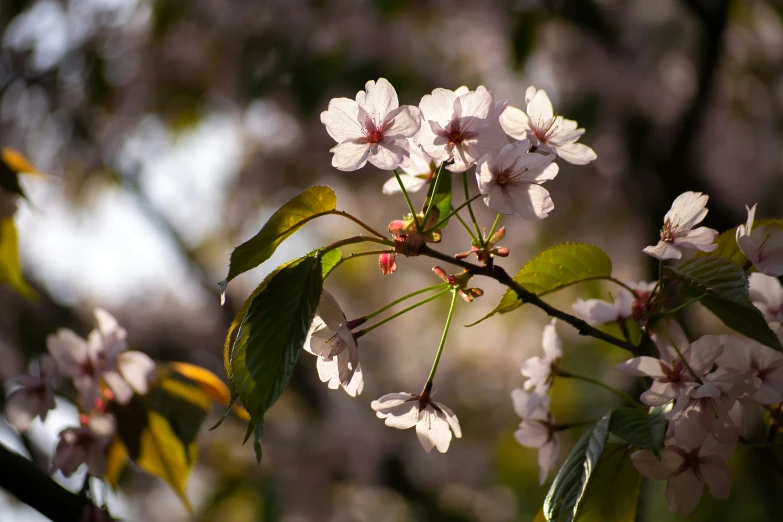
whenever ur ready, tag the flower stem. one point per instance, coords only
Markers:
(358, 221)
(494, 226)
(454, 212)
(465, 225)
(470, 209)
(357, 239)
(367, 330)
(403, 298)
(442, 340)
(623, 395)
(434, 186)
(407, 200)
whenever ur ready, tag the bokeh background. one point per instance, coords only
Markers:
(172, 129)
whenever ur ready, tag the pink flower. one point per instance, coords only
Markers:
(542, 128)
(540, 370)
(763, 364)
(762, 245)
(686, 471)
(84, 445)
(460, 125)
(34, 398)
(101, 358)
(678, 233)
(434, 421)
(766, 294)
(418, 170)
(373, 128)
(511, 182)
(537, 429)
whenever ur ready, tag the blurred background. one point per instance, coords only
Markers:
(172, 129)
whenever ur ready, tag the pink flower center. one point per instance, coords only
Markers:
(673, 373)
(458, 131)
(372, 133)
(544, 134)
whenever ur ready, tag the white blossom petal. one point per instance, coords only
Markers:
(655, 468)
(137, 369)
(683, 493)
(576, 153)
(342, 120)
(350, 155)
(641, 366)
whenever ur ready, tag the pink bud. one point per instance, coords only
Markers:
(388, 263)
(441, 273)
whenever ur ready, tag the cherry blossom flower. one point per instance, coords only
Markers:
(678, 233)
(418, 170)
(598, 311)
(642, 291)
(373, 128)
(103, 357)
(541, 369)
(671, 375)
(542, 128)
(84, 445)
(511, 182)
(34, 398)
(331, 340)
(434, 422)
(762, 245)
(537, 429)
(764, 364)
(686, 471)
(460, 125)
(766, 294)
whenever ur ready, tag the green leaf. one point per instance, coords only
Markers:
(554, 269)
(310, 204)
(439, 194)
(270, 337)
(726, 287)
(638, 428)
(10, 267)
(612, 494)
(727, 242)
(330, 261)
(566, 493)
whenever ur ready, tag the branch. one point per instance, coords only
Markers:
(29, 484)
(498, 274)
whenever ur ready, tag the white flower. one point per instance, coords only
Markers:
(373, 128)
(511, 182)
(598, 311)
(764, 364)
(678, 232)
(331, 340)
(537, 429)
(766, 294)
(418, 170)
(686, 470)
(84, 445)
(34, 398)
(434, 422)
(545, 130)
(102, 357)
(762, 245)
(540, 370)
(671, 376)
(460, 125)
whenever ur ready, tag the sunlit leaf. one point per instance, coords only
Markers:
(10, 267)
(566, 493)
(638, 428)
(612, 495)
(210, 384)
(330, 261)
(270, 337)
(116, 461)
(310, 204)
(554, 269)
(725, 289)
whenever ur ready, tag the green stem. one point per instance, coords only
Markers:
(465, 225)
(470, 210)
(407, 200)
(367, 330)
(358, 254)
(442, 340)
(358, 221)
(620, 283)
(682, 306)
(454, 211)
(357, 239)
(624, 396)
(403, 298)
(431, 204)
(494, 226)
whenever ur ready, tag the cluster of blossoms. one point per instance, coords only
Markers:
(102, 370)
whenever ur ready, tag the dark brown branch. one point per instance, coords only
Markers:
(498, 274)
(24, 480)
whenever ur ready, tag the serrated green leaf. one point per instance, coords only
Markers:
(726, 287)
(638, 428)
(439, 194)
(330, 261)
(270, 337)
(554, 269)
(567, 491)
(310, 204)
(613, 492)
(10, 267)
(727, 242)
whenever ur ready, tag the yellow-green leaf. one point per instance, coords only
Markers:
(10, 267)
(116, 460)
(727, 242)
(210, 384)
(310, 204)
(612, 495)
